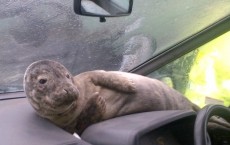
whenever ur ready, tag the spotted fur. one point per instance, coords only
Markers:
(74, 103)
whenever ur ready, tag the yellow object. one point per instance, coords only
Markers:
(210, 74)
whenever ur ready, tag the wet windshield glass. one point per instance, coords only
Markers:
(31, 30)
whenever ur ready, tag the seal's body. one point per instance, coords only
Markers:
(74, 103)
(126, 93)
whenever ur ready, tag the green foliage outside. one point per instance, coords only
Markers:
(210, 73)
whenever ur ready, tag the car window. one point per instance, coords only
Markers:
(202, 75)
(31, 30)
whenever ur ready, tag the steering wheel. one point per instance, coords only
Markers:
(201, 136)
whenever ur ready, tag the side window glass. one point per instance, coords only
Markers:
(202, 75)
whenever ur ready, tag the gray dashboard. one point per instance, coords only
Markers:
(20, 125)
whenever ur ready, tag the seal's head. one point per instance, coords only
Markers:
(49, 88)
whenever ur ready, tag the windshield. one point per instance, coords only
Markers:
(32, 30)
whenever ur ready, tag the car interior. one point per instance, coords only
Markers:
(20, 125)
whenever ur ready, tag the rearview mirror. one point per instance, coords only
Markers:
(103, 8)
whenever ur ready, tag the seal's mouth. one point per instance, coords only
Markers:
(56, 112)
(58, 101)
(68, 109)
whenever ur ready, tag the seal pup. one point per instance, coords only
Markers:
(74, 103)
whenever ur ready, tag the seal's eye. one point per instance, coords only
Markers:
(68, 76)
(42, 81)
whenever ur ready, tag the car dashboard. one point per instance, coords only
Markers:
(174, 127)
(176, 133)
(20, 125)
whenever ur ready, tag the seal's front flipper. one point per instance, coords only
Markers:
(92, 113)
(220, 121)
(212, 126)
(113, 81)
